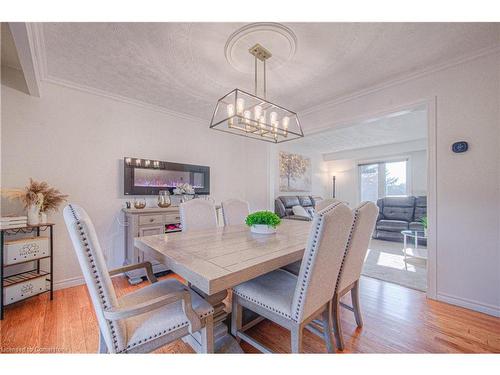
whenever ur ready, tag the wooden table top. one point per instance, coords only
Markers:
(221, 258)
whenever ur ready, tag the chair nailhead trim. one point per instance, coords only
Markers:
(83, 239)
(262, 304)
(314, 248)
(162, 333)
(348, 245)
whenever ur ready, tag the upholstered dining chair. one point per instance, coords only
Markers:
(235, 211)
(143, 320)
(365, 217)
(293, 301)
(321, 204)
(197, 214)
(325, 203)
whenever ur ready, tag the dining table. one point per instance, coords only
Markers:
(212, 261)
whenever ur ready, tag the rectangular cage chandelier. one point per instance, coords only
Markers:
(249, 115)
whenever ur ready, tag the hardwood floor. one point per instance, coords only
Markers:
(396, 319)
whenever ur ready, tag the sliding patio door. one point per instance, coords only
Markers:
(383, 179)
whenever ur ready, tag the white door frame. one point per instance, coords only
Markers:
(431, 105)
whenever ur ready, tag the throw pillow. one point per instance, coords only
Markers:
(300, 211)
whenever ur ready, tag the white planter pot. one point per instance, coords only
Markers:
(33, 215)
(43, 218)
(262, 229)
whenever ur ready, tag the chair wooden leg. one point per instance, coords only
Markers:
(236, 318)
(328, 328)
(337, 328)
(207, 336)
(356, 305)
(296, 338)
(102, 344)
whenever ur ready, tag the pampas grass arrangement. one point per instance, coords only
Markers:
(38, 194)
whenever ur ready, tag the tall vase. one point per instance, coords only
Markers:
(43, 218)
(33, 215)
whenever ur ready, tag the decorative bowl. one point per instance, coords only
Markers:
(262, 229)
(139, 205)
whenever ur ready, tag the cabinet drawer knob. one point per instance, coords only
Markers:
(151, 220)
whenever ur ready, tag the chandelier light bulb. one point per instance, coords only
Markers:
(230, 113)
(247, 116)
(273, 117)
(240, 106)
(286, 122)
(257, 112)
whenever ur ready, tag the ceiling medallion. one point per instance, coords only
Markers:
(279, 38)
(249, 115)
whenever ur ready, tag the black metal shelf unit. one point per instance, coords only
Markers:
(36, 272)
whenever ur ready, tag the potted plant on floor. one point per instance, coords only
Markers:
(263, 222)
(424, 223)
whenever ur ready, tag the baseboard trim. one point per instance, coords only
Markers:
(470, 304)
(68, 283)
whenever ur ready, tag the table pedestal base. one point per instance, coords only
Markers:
(223, 341)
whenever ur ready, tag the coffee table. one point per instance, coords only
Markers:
(416, 252)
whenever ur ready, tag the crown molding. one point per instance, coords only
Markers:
(402, 79)
(418, 144)
(122, 99)
(36, 34)
(321, 127)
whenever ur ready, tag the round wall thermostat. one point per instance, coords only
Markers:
(459, 147)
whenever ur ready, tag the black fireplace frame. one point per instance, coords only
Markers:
(130, 164)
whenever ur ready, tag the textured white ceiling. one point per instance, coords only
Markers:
(182, 66)
(404, 127)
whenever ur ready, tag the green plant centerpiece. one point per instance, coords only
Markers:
(263, 222)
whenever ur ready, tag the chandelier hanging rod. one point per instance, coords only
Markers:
(262, 54)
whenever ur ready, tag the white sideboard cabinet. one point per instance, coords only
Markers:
(147, 222)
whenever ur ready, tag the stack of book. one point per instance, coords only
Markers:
(7, 222)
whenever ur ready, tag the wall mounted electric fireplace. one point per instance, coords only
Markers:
(148, 177)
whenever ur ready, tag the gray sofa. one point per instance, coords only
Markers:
(397, 214)
(283, 205)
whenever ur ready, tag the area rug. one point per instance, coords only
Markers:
(385, 261)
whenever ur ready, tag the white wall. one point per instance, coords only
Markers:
(76, 141)
(344, 166)
(467, 98)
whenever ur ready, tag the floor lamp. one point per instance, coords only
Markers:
(333, 187)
